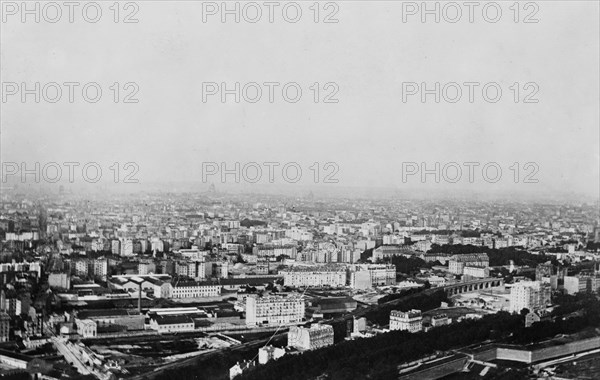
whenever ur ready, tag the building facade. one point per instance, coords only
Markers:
(317, 336)
(4, 327)
(411, 321)
(531, 295)
(457, 263)
(365, 276)
(268, 353)
(274, 310)
(195, 290)
(86, 328)
(335, 278)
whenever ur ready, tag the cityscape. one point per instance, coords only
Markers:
(245, 286)
(299, 190)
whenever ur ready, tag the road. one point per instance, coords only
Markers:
(61, 346)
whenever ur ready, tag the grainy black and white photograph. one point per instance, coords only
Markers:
(299, 190)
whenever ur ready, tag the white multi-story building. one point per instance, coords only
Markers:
(12, 306)
(423, 245)
(317, 336)
(198, 270)
(478, 272)
(268, 353)
(299, 234)
(440, 320)
(436, 281)
(156, 245)
(274, 310)
(531, 295)
(145, 267)
(193, 254)
(393, 239)
(126, 247)
(86, 328)
(349, 255)
(81, 267)
(335, 278)
(101, 268)
(183, 269)
(365, 276)
(576, 284)
(59, 280)
(365, 244)
(410, 321)
(115, 247)
(270, 250)
(23, 236)
(457, 263)
(195, 290)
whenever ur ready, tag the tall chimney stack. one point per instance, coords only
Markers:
(140, 299)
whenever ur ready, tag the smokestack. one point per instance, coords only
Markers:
(140, 299)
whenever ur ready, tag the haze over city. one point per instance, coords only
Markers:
(170, 54)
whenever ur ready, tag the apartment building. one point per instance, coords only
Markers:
(4, 326)
(100, 268)
(457, 263)
(269, 250)
(365, 276)
(531, 295)
(578, 284)
(274, 310)
(310, 338)
(410, 321)
(333, 277)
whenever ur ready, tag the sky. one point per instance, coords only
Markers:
(376, 134)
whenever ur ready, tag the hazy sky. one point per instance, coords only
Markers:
(368, 54)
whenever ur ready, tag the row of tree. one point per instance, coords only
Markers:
(498, 256)
(378, 357)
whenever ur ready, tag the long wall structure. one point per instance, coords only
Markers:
(438, 368)
(472, 286)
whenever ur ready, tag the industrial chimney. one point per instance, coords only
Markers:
(140, 299)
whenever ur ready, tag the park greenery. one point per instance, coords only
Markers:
(378, 357)
(498, 256)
